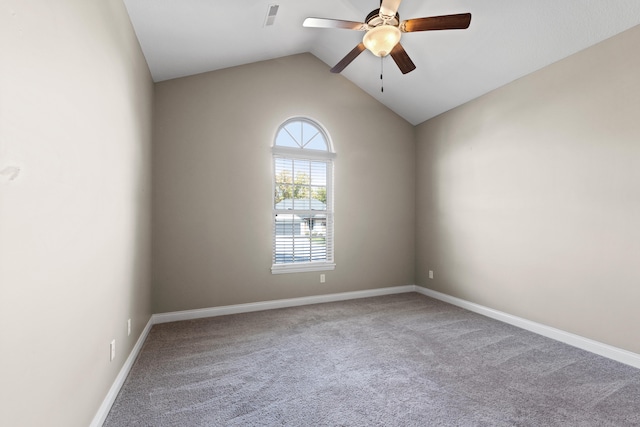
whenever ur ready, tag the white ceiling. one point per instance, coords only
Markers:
(507, 39)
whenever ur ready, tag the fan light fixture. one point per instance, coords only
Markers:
(382, 39)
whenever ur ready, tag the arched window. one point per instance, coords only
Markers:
(302, 198)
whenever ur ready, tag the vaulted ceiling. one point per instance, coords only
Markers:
(506, 40)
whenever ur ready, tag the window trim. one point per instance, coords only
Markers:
(302, 267)
(301, 153)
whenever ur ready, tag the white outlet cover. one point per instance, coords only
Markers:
(112, 348)
(128, 327)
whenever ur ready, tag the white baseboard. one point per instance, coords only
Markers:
(578, 341)
(104, 409)
(270, 305)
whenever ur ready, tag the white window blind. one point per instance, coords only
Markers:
(302, 198)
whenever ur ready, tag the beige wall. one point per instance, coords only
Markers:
(75, 118)
(212, 180)
(528, 198)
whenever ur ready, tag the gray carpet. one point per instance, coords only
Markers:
(398, 360)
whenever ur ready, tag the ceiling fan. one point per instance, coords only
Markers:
(383, 30)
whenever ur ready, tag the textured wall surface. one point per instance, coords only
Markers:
(75, 133)
(528, 198)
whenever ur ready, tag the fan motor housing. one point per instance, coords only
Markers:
(374, 19)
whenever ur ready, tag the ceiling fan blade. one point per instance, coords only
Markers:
(349, 58)
(389, 7)
(402, 59)
(445, 22)
(334, 23)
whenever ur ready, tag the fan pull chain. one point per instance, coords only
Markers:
(381, 80)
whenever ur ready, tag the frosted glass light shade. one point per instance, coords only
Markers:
(380, 40)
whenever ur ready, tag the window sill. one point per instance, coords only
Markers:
(301, 267)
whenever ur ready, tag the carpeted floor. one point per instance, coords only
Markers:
(398, 360)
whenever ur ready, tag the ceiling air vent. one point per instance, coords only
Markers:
(271, 15)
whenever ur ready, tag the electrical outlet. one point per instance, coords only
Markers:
(430, 274)
(128, 327)
(322, 278)
(112, 347)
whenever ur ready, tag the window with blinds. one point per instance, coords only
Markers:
(302, 198)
